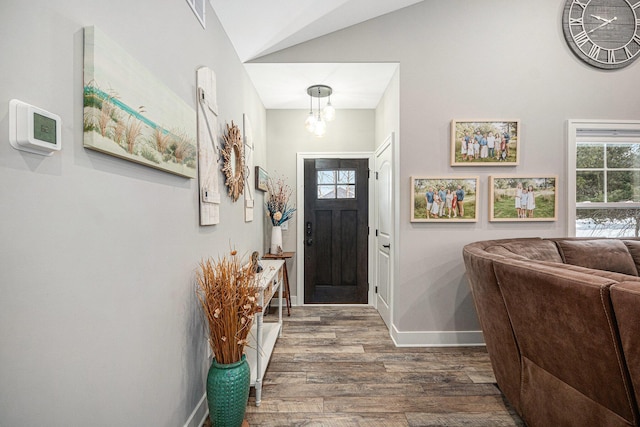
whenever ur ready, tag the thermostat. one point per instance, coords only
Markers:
(33, 129)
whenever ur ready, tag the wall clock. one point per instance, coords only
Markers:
(233, 161)
(603, 33)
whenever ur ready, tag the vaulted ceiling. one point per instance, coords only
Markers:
(257, 28)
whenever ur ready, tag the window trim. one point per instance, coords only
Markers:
(596, 131)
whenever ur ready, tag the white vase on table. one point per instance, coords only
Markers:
(276, 239)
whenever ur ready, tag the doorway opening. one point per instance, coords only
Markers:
(334, 191)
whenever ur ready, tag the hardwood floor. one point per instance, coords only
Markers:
(339, 367)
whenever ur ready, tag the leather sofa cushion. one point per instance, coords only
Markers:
(599, 254)
(531, 249)
(634, 249)
(612, 275)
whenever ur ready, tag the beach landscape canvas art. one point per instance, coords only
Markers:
(129, 113)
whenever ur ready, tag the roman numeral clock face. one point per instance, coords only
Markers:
(603, 33)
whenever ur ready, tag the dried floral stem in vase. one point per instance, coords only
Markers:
(277, 204)
(228, 293)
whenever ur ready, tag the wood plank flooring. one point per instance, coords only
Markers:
(337, 366)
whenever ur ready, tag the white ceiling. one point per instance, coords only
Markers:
(284, 86)
(258, 27)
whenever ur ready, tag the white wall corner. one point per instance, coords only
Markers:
(436, 338)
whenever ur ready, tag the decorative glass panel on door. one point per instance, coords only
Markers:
(346, 176)
(346, 191)
(327, 177)
(326, 191)
(336, 184)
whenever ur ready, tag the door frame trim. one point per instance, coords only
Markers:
(300, 158)
(389, 142)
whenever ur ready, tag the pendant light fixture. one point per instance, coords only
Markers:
(316, 122)
(329, 113)
(310, 123)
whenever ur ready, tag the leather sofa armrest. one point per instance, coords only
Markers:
(625, 297)
(562, 321)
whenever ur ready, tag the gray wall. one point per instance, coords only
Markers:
(351, 131)
(388, 111)
(463, 59)
(98, 320)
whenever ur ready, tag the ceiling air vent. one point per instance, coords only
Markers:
(198, 8)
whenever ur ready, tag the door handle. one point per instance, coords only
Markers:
(309, 242)
(387, 246)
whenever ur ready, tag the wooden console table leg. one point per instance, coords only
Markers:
(285, 276)
(259, 337)
(286, 287)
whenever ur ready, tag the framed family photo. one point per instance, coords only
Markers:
(485, 142)
(523, 198)
(451, 199)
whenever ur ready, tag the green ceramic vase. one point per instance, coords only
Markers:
(228, 392)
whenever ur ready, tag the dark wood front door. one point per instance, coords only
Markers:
(336, 212)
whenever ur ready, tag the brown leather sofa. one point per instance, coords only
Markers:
(561, 321)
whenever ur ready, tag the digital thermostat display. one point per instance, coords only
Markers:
(44, 128)
(33, 129)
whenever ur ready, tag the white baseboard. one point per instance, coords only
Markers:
(200, 412)
(424, 338)
(437, 338)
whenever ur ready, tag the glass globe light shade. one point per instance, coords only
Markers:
(310, 123)
(320, 129)
(329, 113)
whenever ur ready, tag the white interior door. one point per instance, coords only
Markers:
(384, 228)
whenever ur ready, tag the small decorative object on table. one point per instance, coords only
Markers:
(278, 210)
(228, 293)
(255, 262)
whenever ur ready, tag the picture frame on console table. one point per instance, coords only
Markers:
(435, 199)
(485, 142)
(523, 198)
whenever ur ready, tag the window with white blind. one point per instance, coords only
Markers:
(604, 178)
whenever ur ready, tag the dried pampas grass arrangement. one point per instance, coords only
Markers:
(228, 293)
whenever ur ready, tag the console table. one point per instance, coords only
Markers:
(264, 335)
(287, 292)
